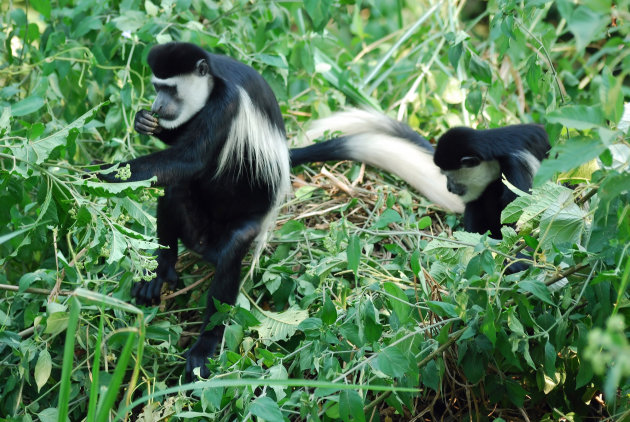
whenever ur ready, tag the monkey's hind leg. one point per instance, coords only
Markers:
(224, 288)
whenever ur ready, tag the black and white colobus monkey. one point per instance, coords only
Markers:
(474, 160)
(225, 173)
(227, 168)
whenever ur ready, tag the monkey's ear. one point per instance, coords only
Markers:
(469, 161)
(202, 67)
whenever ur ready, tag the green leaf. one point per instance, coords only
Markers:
(319, 12)
(105, 189)
(329, 312)
(50, 415)
(392, 362)
(399, 301)
(537, 288)
(353, 252)
(431, 375)
(584, 375)
(56, 323)
(550, 358)
(43, 368)
(515, 393)
(389, 216)
(27, 106)
(42, 6)
(351, 406)
(479, 69)
(455, 53)
(562, 222)
(586, 25)
(39, 150)
(487, 326)
(266, 409)
(443, 309)
(568, 156)
(278, 326)
(534, 74)
(577, 117)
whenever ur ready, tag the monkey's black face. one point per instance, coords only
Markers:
(167, 105)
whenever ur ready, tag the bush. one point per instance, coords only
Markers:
(371, 307)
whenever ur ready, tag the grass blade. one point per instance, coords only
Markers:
(116, 381)
(96, 366)
(68, 359)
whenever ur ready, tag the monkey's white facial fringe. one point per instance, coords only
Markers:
(256, 145)
(192, 91)
(532, 163)
(476, 179)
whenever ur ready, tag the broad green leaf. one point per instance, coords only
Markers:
(353, 252)
(488, 327)
(278, 326)
(319, 11)
(329, 312)
(577, 117)
(110, 189)
(56, 323)
(399, 301)
(586, 25)
(562, 222)
(5, 320)
(480, 69)
(49, 415)
(278, 372)
(351, 406)
(266, 409)
(584, 375)
(43, 368)
(515, 393)
(443, 309)
(538, 289)
(389, 216)
(27, 106)
(568, 156)
(392, 362)
(431, 375)
(39, 150)
(42, 6)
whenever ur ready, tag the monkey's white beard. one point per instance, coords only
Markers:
(193, 90)
(476, 179)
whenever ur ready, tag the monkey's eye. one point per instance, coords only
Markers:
(469, 161)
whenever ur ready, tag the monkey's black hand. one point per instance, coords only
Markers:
(148, 292)
(198, 354)
(146, 124)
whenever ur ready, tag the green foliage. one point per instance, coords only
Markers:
(362, 308)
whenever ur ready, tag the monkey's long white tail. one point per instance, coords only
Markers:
(375, 139)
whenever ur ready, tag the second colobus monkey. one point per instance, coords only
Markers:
(474, 160)
(227, 168)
